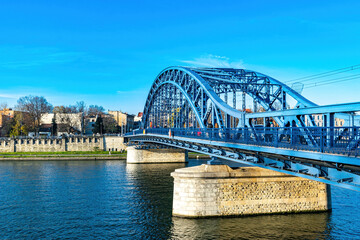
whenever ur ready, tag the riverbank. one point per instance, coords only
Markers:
(194, 155)
(77, 155)
(74, 155)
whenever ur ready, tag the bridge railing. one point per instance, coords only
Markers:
(338, 140)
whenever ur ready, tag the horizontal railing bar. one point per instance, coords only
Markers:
(334, 140)
(336, 108)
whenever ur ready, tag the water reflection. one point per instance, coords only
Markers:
(293, 226)
(151, 198)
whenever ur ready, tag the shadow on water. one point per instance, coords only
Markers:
(292, 226)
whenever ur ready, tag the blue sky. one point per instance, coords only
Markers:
(109, 52)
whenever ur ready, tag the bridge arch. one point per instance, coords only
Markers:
(199, 97)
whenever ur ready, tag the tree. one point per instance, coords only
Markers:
(81, 107)
(60, 109)
(95, 110)
(54, 126)
(98, 126)
(65, 109)
(69, 122)
(110, 125)
(7, 126)
(35, 106)
(18, 127)
(3, 106)
(68, 118)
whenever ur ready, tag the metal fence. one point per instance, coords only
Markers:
(337, 140)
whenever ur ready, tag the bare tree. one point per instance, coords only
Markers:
(95, 110)
(35, 106)
(60, 109)
(81, 107)
(3, 106)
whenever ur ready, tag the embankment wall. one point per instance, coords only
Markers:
(83, 143)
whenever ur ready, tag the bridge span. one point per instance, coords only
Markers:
(206, 110)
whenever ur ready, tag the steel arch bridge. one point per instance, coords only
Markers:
(197, 97)
(205, 110)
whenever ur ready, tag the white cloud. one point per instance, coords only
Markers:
(13, 96)
(211, 60)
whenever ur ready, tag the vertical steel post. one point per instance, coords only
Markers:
(244, 101)
(330, 120)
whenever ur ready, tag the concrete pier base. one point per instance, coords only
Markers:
(218, 190)
(155, 155)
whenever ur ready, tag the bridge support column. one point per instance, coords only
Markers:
(215, 161)
(218, 190)
(156, 155)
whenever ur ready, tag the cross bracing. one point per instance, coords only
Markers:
(205, 103)
(203, 95)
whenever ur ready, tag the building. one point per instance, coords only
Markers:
(67, 123)
(124, 120)
(319, 121)
(5, 115)
(89, 124)
(137, 120)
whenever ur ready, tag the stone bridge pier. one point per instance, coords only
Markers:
(218, 190)
(155, 155)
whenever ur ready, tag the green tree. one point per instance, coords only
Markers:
(54, 126)
(98, 126)
(110, 125)
(7, 125)
(18, 127)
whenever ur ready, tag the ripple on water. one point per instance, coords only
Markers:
(109, 199)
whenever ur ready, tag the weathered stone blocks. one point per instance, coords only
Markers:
(78, 143)
(218, 190)
(155, 155)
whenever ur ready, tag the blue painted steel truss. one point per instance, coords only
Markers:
(281, 150)
(205, 101)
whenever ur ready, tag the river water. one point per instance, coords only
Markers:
(112, 200)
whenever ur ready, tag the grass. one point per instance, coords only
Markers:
(198, 154)
(60, 154)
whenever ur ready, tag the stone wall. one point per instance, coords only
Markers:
(135, 155)
(39, 145)
(7, 145)
(85, 143)
(218, 190)
(115, 143)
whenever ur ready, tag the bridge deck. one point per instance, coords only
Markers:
(280, 149)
